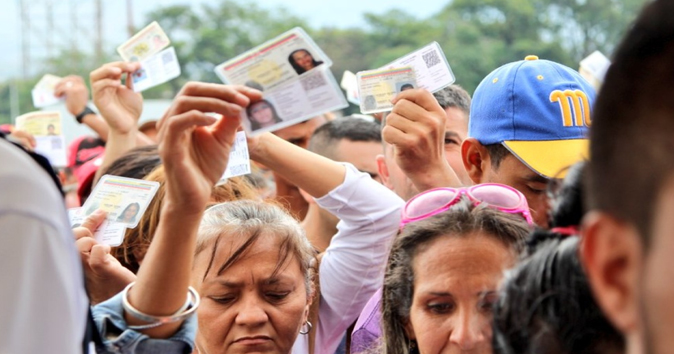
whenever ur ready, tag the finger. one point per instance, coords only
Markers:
(396, 137)
(177, 125)
(81, 233)
(84, 244)
(93, 221)
(113, 70)
(403, 124)
(99, 85)
(421, 97)
(129, 81)
(225, 129)
(239, 95)
(183, 104)
(411, 110)
(98, 259)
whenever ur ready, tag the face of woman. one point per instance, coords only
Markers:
(262, 113)
(130, 212)
(304, 60)
(246, 308)
(455, 284)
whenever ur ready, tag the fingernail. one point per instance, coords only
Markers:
(98, 212)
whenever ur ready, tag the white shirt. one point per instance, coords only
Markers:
(44, 305)
(352, 269)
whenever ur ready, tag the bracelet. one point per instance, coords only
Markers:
(186, 310)
(84, 113)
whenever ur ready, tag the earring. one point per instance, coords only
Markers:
(308, 326)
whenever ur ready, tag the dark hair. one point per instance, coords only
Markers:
(254, 125)
(545, 304)
(454, 96)
(325, 138)
(121, 215)
(461, 220)
(631, 140)
(406, 87)
(497, 152)
(135, 163)
(298, 68)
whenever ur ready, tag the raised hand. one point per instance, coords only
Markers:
(119, 105)
(75, 91)
(416, 129)
(194, 146)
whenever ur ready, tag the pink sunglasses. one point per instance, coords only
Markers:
(434, 201)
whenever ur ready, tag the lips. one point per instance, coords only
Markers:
(253, 340)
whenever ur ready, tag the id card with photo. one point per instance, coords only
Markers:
(378, 87)
(293, 102)
(430, 65)
(144, 44)
(239, 159)
(350, 85)
(156, 70)
(124, 199)
(43, 92)
(108, 233)
(285, 57)
(46, 128)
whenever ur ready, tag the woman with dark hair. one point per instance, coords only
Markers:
(129, 214)
(445, 266)
(302, 61)
(545, 304)
(262, 114)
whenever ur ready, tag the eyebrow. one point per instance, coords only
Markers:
(537, 179)
(451, 134)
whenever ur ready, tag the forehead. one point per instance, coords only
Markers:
(460, 262)
(457, 121)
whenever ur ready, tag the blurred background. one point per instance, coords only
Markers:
(64, 37)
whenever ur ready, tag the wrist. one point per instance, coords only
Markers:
(84, 113)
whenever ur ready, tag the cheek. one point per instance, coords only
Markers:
(214, 325)
(431, 332)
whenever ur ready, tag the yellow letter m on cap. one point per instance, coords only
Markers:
(580, 115)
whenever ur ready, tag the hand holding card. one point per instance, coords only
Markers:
(195, 146)
(119, 105)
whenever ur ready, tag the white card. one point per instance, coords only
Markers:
(239, 158)
(430, 65)
(149, 41)
(43, 92)
(350, 85)
(108, 233)
(124, 199)
(46, 127)
(379, 87)
(156, 70)
(273, 63)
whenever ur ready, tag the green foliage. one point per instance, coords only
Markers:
(476, 35)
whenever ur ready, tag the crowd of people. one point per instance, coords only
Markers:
(532, 217)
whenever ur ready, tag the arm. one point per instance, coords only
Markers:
(194, 148)
(120, 106)
(416, 129)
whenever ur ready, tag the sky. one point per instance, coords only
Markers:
(319, 13)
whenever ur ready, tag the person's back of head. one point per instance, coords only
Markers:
(325, 138)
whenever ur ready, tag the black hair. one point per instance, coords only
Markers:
(497, 152)
(298, 68)
(325, 138)
(545, 304)
(135, 163)
(631, 140)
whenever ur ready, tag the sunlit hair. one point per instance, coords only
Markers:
(461, 220)
(248, 220)
(137, 241)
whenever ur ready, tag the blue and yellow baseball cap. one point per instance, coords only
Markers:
(539, 110)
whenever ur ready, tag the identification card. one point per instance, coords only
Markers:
(124, 199)
(46, 128)
(156, 70)
(294, 101)
(350, 85)
(108, 233)
(430, 65)
(239, 159)
(43, 92)
(285, 57)
(378, 87)
(149, 41)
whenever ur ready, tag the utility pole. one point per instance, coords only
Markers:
(129, 18)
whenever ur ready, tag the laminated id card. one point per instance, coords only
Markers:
(376, 88)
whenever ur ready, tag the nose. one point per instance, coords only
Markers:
(468, 332)
(250, 312)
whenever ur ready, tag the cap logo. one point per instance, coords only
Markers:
(574, 105)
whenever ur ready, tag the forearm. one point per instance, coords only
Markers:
(431, 177)
(313, 173)
(97, 124)
(163, 280)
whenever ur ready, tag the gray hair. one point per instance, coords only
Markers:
(247, 220)
(461, 220)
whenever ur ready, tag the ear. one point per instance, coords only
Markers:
(382, 169)
(475, 159)
(611, 253)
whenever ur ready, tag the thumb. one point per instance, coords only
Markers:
(93, 221)
(98, 259)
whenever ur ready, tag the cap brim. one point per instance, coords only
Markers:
(552, 158)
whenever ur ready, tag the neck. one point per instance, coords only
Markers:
(320, 227)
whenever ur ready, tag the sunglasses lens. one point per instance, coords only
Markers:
(498, 196)
(428, 202)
